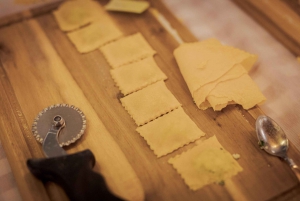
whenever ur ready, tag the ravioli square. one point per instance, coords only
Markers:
(150, 103)
(206, 163)
(137, 75)
(93, 36)
(72, 15)
(127, 50)
(170, 132)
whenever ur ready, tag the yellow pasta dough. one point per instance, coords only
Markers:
(74, 14)
(170, 132)
(206, 61)
(217, 74)
(127, 50)
(241, 90)
(201, 93)
(137, 75)
(127, 6)
(205, 164)
(222, 102)
(150, 103)
(95, 35)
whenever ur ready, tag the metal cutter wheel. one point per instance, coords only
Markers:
(73, 130)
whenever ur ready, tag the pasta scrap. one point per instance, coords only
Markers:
(127, 6)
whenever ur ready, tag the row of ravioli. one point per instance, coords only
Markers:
(159, 116)
(87, 23)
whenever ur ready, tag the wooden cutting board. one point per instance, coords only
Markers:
(40, 67)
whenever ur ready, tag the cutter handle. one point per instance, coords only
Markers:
(74, 174)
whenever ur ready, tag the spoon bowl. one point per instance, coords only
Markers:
(274, 141)
(271, 136)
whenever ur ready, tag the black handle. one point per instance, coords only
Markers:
(74, 174)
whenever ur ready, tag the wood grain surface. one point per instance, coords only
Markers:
(11, 12)
(40, 67)
(280, 17)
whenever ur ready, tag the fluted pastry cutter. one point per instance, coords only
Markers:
(57, 126)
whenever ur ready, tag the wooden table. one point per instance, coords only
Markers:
(39, 67)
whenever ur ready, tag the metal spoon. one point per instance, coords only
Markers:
(274, 141)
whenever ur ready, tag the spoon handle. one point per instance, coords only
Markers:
(294, 167)
(296, 170)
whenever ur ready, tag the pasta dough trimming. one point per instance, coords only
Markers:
(127, 6)
(205, 61)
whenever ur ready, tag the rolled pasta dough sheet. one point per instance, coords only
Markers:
(242, 90)
(206, 61)
(201, 94)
